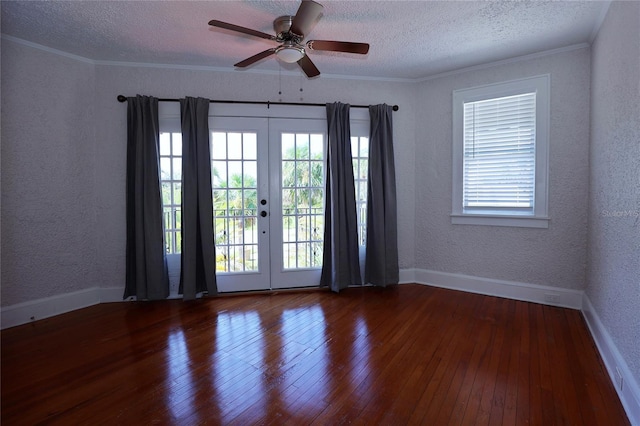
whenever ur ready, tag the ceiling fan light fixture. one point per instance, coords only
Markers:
(290, 54)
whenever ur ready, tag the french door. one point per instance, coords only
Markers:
(268, 196)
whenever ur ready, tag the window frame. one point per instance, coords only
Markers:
(504, 217)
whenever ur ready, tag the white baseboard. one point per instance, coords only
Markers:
(546, 295)
(23, 313)
(34, 310)
(26, 312)
(407, 276)
(630, 393)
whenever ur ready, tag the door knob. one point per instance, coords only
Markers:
(263, 213)
(263, 202)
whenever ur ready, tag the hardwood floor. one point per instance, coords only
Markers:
(408, 354)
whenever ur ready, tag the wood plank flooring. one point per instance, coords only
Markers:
(408, 354)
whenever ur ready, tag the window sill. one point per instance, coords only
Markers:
(492, 220)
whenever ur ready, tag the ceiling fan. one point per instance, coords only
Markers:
(290, 33)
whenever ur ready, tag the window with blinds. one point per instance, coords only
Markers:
(499, 153)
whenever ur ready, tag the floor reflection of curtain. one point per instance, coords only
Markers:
(360, 354)
(139, 365)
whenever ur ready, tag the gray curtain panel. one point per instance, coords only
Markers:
(198, 258)
(381, 259)
(146, 270)
(340, 267)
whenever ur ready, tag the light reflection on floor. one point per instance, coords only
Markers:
(180, 398)
(303, 387)
(249, 380)
(238, 382)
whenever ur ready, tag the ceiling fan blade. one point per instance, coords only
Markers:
(308, 12)
(338, 46)
(238, 28)
(255, 58)
(308, 67)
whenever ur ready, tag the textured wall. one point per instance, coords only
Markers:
(47, 174)
(614, 209)
(555, 256)
(174, 83)
(91, 199)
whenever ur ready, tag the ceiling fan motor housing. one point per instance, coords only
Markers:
(281, 25)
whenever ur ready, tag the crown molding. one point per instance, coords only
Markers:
(47, 49)
(515, 59)
(291, 73)
(191, 67)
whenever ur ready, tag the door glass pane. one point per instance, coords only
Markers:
(234, 174)
(302, 146)
(360, 155)
(171, 187)
(219, 146)
(288, 150)
(317, 147)
(302, 192)
(249, 146)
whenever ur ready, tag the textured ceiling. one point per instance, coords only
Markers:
(409, 39)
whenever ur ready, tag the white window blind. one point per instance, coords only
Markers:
(499, 169)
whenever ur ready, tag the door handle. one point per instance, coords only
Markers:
(263, 213)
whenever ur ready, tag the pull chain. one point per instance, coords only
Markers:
(301, 98)
(280, 79)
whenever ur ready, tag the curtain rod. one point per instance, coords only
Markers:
(122, 98)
